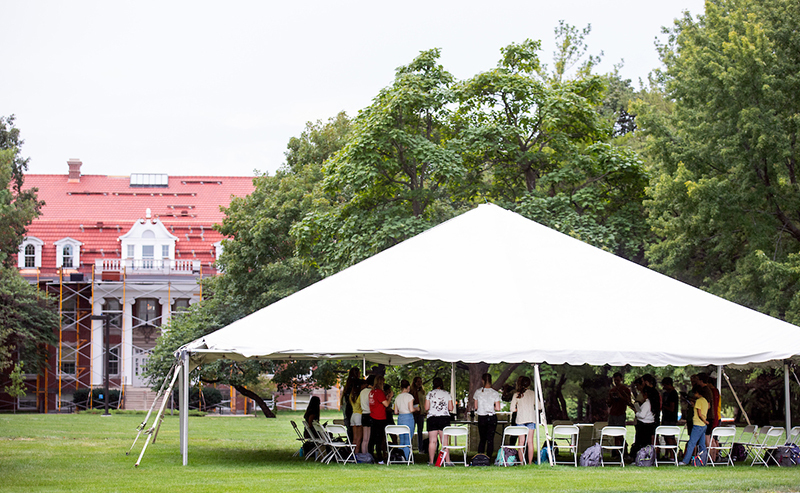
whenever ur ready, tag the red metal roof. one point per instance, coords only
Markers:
(99, 209)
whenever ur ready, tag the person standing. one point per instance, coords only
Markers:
(377, 407)
(486, 404)
(619, 398)
(524, 403)
(439, 405)
(669, 407)
(418, 392)
(366, 420)
(404, 408)
(699, 423)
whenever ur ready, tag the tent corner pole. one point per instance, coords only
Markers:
(184, 408)
(787, 397)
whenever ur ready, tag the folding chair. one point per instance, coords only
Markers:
(568, 433)
(398, 430)
(667, 431)
(613, 431)
(303, 440)
(316, 442)
(724, 436)
(794, 436)
(517, 432)
(454, 432)
(339, 442)
(749, 438)
(763, 452)
(317, 434)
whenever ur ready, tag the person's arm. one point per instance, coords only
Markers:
(497, 405)
(410, 406)
(427, 405)
(450, 405)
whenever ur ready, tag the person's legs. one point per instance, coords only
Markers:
(379, 438)
(366, 428)
(698, 437)
(433, 437)
(420, 422)
(358, 435)
(531, 445)
(491, 427)
(408, 420)
(483, 432)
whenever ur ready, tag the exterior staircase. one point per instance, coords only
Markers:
(139, 398)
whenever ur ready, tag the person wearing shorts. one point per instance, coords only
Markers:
(439, 405)
(524, 403)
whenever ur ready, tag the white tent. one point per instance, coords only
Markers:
(493, 286)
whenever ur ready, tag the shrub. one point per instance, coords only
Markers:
(81, 398)
(211, 398)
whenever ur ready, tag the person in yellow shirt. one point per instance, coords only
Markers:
(699, 423)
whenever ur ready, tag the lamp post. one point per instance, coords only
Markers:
(105, 320)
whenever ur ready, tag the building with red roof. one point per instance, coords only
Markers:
(132, 248)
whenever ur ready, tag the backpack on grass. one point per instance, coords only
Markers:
(591, 456)
(480, 460)
(506, 456)
(645, 457)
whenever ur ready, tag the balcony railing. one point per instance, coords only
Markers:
(148, 266)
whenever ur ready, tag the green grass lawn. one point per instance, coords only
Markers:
(86, 452)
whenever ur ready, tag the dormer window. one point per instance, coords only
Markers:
(30, 253)
(68, 252)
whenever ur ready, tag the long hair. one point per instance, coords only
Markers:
(356, 390)
(312, 409)
(487, 379)
(353, 378)
(379, 381)
(523, 384)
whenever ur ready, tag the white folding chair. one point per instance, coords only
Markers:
(770, 440)
(612, 432)
(322, 438)
(317, 442)
(724, 435)
(518, 432)
(749, 438)
(454, 432)
(665, 432)
(568, 434)
(398, 431)
(339, 442)
(794, 436)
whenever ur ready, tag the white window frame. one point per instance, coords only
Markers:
(76, 252)
(37, 259)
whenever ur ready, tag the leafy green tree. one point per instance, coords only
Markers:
(543, 147)
(28, 319)
(725, 196)
(17, 207)
(16, 388)
(389, 181)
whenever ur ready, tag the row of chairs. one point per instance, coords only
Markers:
(762, 443)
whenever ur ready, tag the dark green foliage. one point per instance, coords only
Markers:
(28, 319)
(211, 397)
(81, 398)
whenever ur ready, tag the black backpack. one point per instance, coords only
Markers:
(480, 460)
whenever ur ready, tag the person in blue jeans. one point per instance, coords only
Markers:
(699, 423)
(404, 408)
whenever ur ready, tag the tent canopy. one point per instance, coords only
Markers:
(493, 286)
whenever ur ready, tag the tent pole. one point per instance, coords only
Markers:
(746, 418)
(184, 405)
(787, 397)
(541, 417)
(364, 366)
(453, 383)
(719, 377)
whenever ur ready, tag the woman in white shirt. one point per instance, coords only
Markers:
(404, 408)
(645, 421)
(524, 403)
(439, 405)
(486, 403)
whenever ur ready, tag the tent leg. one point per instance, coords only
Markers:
(453, 383)
(787, 397)
(184, 408)
(719, 377)
(542, 417)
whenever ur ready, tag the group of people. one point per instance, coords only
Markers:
(368, 409)
(651, 408)
(369, 406)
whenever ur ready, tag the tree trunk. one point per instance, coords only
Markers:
(252, 395)
(507, 371)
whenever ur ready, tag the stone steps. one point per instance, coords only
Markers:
(139, 398)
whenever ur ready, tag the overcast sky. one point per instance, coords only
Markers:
(218, 88)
